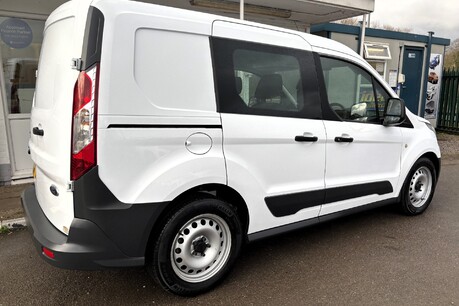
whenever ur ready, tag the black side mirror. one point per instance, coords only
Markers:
(394, 114)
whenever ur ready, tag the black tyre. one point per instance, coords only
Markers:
(419, 187)
(197, 247)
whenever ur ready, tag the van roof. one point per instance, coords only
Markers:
(209, 19)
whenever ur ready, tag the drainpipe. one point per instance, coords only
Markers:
(241, 9)
(363, 25)
(399, 85)
(426, 75)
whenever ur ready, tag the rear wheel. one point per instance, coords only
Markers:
(419, 187)
(196, 247)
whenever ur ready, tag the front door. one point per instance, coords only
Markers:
(363, 156)
(412, 69)
(20, 45)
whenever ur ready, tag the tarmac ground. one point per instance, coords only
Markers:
(379, 257)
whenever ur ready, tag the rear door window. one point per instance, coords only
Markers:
(265, 80)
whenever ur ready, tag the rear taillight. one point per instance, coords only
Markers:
(47, 252)
(84, 123)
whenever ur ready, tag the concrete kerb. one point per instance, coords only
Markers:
(13, 223)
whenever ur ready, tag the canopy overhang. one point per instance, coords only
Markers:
(296, 14)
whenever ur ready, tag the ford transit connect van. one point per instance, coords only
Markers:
(168, 138)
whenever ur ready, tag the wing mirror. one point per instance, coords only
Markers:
(394, 114)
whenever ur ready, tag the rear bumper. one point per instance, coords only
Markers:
(86, 247)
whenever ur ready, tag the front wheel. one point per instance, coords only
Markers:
(419, 187)
(197, 247)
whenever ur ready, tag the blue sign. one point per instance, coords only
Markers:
(16, 33)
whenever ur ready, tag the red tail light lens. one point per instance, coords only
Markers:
(84, 123)
(48, 253)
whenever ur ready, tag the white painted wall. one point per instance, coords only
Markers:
(4, 155)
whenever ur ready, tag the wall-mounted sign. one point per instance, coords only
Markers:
(393, 78)
(411, 55)
(16, 33)
(433, 86)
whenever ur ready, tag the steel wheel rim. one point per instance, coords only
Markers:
(201, 248)
(420, 186)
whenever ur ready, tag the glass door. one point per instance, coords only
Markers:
(20, 45)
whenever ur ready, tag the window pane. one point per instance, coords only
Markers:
(350, 91)
(373, 51)
(268, 80)
(265, 80)
(380, 67)
(381, 96)
(20, 45)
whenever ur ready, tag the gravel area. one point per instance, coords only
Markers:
(449, 145)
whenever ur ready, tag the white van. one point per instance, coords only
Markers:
(169, 138)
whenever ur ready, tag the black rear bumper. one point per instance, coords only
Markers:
(86, 247)
(104, 232)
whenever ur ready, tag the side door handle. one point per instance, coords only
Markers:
(37, 131)
(306, 138)
(344, 139)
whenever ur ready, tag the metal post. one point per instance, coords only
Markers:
(399, 85)
(241, 9)
(362, 34)
(426, 75)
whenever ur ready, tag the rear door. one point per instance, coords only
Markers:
(274, 140)
(51, 116)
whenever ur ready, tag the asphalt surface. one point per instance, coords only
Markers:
(375, 258)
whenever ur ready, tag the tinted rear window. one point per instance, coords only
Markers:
(265, 80)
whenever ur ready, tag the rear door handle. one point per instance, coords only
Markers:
(344, 139)
(306, 138)
(37, 131)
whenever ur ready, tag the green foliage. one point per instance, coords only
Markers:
(452, 55)
(354, 21)
(4, 230)
(452, 60)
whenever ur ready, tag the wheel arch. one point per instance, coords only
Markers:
(222, 192)
(421, 202)
(435, 160)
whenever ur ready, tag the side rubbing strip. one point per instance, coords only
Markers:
(284, 205)
(355, 191)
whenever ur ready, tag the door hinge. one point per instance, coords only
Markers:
(77, 64)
